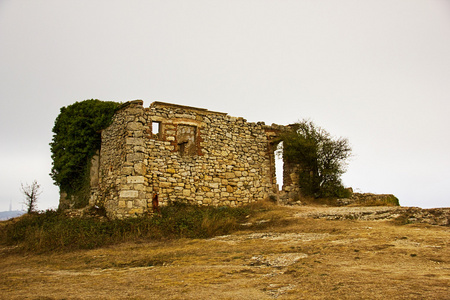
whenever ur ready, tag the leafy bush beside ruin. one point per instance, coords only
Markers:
(76, 138)
(319, 157)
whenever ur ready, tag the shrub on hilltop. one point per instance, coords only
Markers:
(319, 157)
(76, 138)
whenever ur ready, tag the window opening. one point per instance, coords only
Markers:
(186, 140)
(182, 148)
(156, 127)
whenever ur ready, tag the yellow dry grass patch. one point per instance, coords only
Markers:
(290, 257)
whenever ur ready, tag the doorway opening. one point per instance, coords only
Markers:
(279, 166)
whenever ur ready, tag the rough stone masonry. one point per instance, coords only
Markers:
(183, 154)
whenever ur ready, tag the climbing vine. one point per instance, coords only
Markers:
(76, 138)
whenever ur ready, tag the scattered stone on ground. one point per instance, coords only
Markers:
(277, 260)
(434, 216)
(272, 236)
(276, 290)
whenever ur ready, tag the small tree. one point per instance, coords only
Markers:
(321, 159)
(31, 193)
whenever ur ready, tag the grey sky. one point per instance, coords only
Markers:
(376, 72)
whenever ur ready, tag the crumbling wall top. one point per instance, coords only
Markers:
(170, 105)
(129, 103)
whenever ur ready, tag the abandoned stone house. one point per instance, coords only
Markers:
(182, 153)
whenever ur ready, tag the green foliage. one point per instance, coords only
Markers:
(320, 158)
(184, 220)
(76, 138)
(53, 231)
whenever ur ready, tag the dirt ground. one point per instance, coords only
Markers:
(302, 254)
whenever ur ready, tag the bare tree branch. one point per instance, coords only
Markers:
(31, 193)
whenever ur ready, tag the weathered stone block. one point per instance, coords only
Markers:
(136, 211)
(165, 184)
(135, 179)
(135, 126)
(128, 194)
(139, 187)
(140, 168)
(134, 141)
(214, 185)
(127, 171)
(135, 157)
(229, 175)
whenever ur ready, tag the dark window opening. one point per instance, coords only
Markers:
(186, 140)
(182, 148)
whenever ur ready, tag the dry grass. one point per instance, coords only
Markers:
(287, 257)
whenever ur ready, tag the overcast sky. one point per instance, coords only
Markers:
(376, 72)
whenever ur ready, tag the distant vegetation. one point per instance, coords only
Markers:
(53, 231)
(76, 138)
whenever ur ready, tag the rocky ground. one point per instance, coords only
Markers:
(295, 252)
(408, 215)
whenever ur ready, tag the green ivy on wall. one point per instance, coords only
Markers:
(76, 138)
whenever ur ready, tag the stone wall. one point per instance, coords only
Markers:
(182, 153)
(368, 199)
(118, 160)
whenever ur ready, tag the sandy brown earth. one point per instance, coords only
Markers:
(299, 253)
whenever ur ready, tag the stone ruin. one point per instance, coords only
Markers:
(193, 155)
(185, 154)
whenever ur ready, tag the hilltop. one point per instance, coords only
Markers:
(283, 252)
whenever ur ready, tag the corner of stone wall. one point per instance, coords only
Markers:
(65, 202)
(122, 165)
